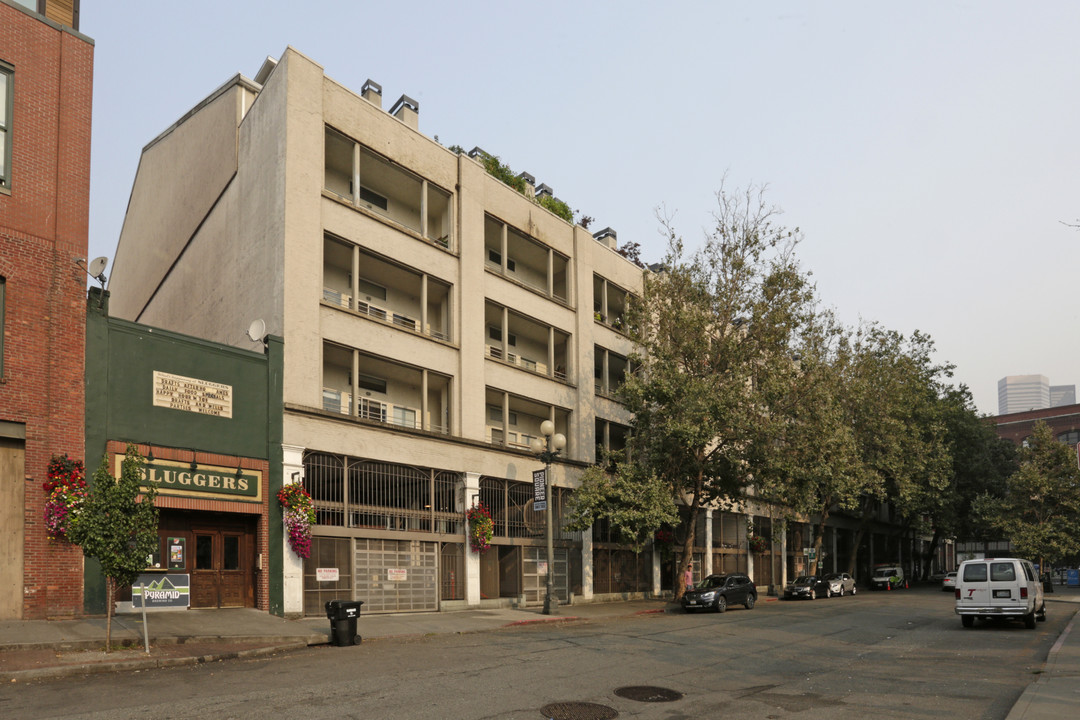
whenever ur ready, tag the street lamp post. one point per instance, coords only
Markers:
(547, 450)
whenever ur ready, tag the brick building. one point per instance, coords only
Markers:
(1064, 423)
(46, 74)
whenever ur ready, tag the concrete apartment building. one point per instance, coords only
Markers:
(46, 82)
(432, 319)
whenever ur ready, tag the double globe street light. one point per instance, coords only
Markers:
(547, 449)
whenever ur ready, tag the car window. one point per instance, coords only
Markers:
(975, 572)
(1029, 572)
(1002, 572)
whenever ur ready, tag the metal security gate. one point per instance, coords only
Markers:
(397, 575)
(534, 585)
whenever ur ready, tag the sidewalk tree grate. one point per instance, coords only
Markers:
(648, 693)
(578, 711)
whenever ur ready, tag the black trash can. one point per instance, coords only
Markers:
(342, 615)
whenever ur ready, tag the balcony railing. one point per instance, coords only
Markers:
(514, 359)
(375, 312)
(338, 401)
(513, 439)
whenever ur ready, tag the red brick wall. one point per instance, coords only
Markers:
(262, 534)
(43, 229)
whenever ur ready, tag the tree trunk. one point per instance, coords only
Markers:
(819, 540)
(854, 557)
(688, 544)
(928, 556)
(108, 613)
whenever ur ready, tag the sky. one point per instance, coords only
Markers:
(927, 151)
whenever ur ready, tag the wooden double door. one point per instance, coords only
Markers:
(220, 557)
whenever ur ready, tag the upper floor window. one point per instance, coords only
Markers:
(7, 100)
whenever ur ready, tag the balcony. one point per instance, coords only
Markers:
(525, 343)
(515, 255)
(384, 291)
(609, 371)
(367, 180)
(384, 391)
(520, 423)
(609, 304)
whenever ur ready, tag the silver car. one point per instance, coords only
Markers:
(841, 584)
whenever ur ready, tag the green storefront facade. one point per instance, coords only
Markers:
(207, 418)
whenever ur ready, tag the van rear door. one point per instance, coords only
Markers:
(1004, 585)
(973, 585)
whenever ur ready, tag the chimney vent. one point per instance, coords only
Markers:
(530, 183)
(372, 92)
(407, 111)
(544, 189)
(607, 237)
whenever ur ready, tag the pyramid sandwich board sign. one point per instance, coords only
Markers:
(161, 591)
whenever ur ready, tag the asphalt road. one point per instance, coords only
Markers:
(902, 654)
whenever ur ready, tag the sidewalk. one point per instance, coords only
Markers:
(40, 649)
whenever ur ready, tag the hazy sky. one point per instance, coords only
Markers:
(929, 151)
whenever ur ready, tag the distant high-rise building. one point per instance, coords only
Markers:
(1018, 393)
(1062, 395)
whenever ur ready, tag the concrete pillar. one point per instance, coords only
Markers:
(472, 560)
(707, 562)
(783, 559)
(292, 569)
(586, 564)
(656, 585)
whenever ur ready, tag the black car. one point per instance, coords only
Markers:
(807, 586)
(716, 592)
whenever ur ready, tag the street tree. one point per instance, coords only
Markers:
(980, 462)
(117, 527)
(1039, 511)
(709, 328)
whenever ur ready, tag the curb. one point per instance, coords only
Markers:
(61, 671)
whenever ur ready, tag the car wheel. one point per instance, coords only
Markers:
(1041, 616)
(828, 592)
(721, 604)
(750, 600)
(813, 595)
(841, 591)
(1029, 620)
(854, 589)
(967, 620)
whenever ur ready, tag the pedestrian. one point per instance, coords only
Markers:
(688, 577)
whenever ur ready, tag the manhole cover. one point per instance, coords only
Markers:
(578, 711)
(648, 693)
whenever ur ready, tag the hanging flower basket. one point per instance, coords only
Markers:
(298, 515)
(481, 528)
(758, 544)
(65, 493)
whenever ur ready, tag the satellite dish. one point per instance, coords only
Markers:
(257, 330)
(97, 266)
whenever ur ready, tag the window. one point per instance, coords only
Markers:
(7, 99)
(1072, 437)
(371, 290)
(374, 384)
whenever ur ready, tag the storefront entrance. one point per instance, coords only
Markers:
(217, 550)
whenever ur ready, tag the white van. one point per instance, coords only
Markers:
(999, 587)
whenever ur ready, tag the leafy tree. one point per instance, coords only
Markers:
(708, 330)
(980, 464)
(1040, 509)
(118, 528)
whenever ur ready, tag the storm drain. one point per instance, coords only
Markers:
(578, 711)
(648, 693)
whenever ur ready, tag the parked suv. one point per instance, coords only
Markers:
(716, 592)
(999, 587)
